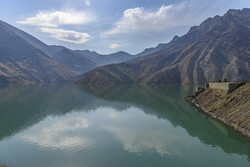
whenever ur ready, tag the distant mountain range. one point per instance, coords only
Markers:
(219, 48)
(23, 58)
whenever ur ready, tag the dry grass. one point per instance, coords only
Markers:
(233, 107)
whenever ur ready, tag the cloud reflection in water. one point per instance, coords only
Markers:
(59, 132)
(139, 132)
(136, 131)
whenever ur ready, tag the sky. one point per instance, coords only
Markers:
(108, 26)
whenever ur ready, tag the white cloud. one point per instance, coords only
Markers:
(113, 46)
(57, 18)
(139, 19)
(87, 2)
(66, 35)
(164, 18)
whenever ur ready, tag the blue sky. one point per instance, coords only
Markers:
(108, 26)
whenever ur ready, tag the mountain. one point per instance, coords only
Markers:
(102, 59)
(24, 58)
(150, 51)
(84, 61)
(22, 62)
(49, 50)
(75, 61)
(114, 58)
(60, 54)
(219, 48)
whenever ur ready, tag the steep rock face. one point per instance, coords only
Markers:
(22, 62)
(217, 49)
(222, 53)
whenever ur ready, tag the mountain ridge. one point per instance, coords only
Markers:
(62, 64)
(216, 49)
(219, 48)
(84, 60)
(22, 62)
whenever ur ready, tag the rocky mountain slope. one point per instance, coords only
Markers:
(22, 62)
(77, 60)
(49, 50)
(233, 109)
(24, 58)
(219, 48)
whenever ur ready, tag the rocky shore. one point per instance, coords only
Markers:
(232, 109)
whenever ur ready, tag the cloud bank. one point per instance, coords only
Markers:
(57, 18)
(68, 36)
(164, 18)
(49, 22)
(140, 19)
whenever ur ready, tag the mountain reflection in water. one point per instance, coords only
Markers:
(122, 122)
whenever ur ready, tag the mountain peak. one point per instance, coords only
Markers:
(232, 12)
(211, 51)
(175, 37)
(192, 29)
(242, 13)
(120, 52)
(89, 51)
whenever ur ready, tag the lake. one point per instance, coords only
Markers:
(120, 126)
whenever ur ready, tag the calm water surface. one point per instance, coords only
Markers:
(127, 126)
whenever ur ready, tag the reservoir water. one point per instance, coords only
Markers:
(121, 126)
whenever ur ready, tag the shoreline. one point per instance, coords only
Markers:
(207, 101)
(240, 130)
